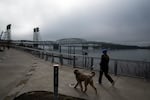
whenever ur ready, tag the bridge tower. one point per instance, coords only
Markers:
(36, 37)
(36, 34)
(7, 34)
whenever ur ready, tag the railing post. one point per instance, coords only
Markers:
(115, 67)
(39, 54)
(61, 59)
(85, 61)
(42, 55)
(52, 58)
(46, 58)
(146, 72)
(36, 54)
(74, 61)
(92, 60)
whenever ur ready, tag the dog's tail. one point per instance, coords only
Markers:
(92, 74)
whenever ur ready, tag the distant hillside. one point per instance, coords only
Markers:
(118, 46)
(145, 47)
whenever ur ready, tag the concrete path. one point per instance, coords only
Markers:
(13, 66)
(39, 77)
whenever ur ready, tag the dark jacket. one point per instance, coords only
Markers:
(104, 62)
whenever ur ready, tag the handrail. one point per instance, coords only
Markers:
(139, 69)
(79, 55)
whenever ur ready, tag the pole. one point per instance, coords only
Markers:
(92, 60)
(56, 73)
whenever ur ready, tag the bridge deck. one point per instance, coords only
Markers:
(40, 77)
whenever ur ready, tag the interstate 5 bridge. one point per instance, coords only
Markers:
(69, 43)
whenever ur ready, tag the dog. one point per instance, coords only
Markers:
(87, 79)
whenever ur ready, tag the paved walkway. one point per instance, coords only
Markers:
(13, 66)
(40, 78)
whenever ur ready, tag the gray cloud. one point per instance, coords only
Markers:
(118, 21)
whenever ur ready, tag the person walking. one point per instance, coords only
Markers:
(104, 67)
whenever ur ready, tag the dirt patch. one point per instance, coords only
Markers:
(43, 95)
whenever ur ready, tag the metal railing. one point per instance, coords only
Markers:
(139, 69)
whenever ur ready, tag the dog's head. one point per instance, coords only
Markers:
(76, 72)
(93, 74)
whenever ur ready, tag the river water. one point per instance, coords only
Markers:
(134, 54)
(124, 54)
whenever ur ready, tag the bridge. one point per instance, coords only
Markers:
(70, 43)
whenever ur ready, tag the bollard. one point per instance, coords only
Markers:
(56, 73)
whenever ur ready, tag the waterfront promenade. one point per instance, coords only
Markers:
(22, 72)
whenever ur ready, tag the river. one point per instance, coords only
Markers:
(134, 54)
(123, 54)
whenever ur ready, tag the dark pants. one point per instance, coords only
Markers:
(106, 75)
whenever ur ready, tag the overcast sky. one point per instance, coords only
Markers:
(117, 21)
